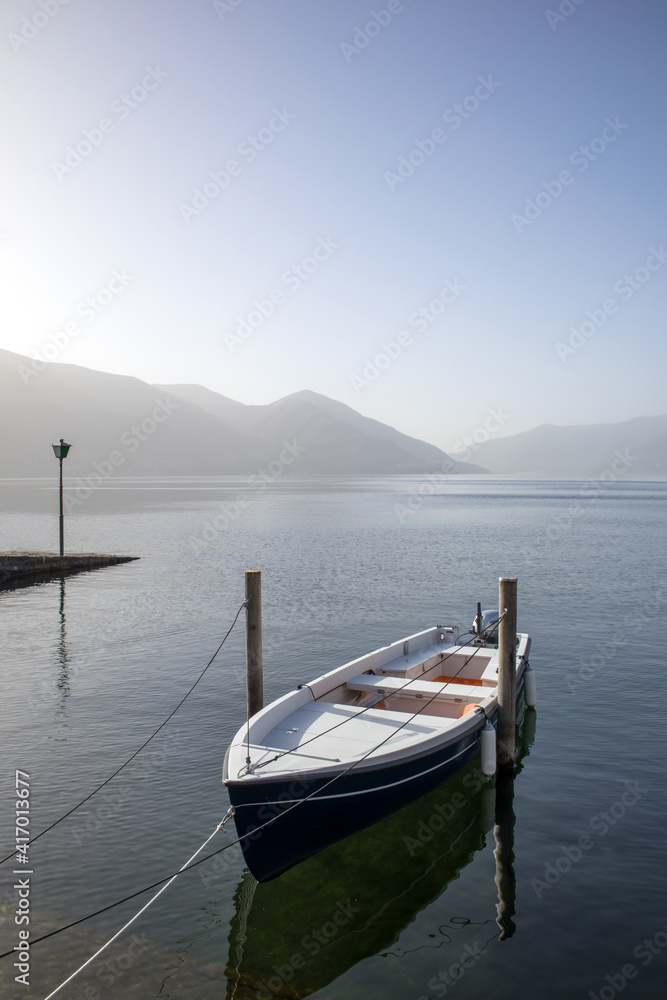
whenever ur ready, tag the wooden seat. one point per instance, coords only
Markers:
(415, 689)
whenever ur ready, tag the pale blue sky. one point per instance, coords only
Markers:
(338, 121)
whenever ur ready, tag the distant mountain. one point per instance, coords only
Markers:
(581, 451)
(336, 439)
(122, 426)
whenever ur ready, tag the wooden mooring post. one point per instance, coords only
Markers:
(506, 734)
(253, 641)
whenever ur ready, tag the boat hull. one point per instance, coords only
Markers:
(300, 816)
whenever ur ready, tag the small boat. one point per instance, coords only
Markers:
(354, 745)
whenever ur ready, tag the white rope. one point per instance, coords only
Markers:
(228, 815)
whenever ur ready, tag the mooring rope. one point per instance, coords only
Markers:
(239, 840)
(228, 816)
(191, 863)
(136, 752)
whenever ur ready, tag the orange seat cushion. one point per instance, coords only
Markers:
(460, 680)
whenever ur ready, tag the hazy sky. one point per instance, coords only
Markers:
(374, 164)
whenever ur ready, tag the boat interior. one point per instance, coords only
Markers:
(455, 683)
(366, 707)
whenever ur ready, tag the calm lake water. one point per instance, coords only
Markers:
(406, 910)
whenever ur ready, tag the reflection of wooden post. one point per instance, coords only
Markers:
(253, 641)
(504, 852)
(507, 672)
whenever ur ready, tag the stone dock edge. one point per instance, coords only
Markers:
(19, 566)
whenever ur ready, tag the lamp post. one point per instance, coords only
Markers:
(60, 451)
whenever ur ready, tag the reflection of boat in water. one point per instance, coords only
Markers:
(297, 934)
(361, 741)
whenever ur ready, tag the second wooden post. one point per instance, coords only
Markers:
(506, 735)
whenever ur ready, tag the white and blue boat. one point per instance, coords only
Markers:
(360, 742)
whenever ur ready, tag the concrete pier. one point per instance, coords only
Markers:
(23, 567)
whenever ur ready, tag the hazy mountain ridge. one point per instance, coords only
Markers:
(337, 439)
(581, 450)
(128, 427)
(119, 425)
